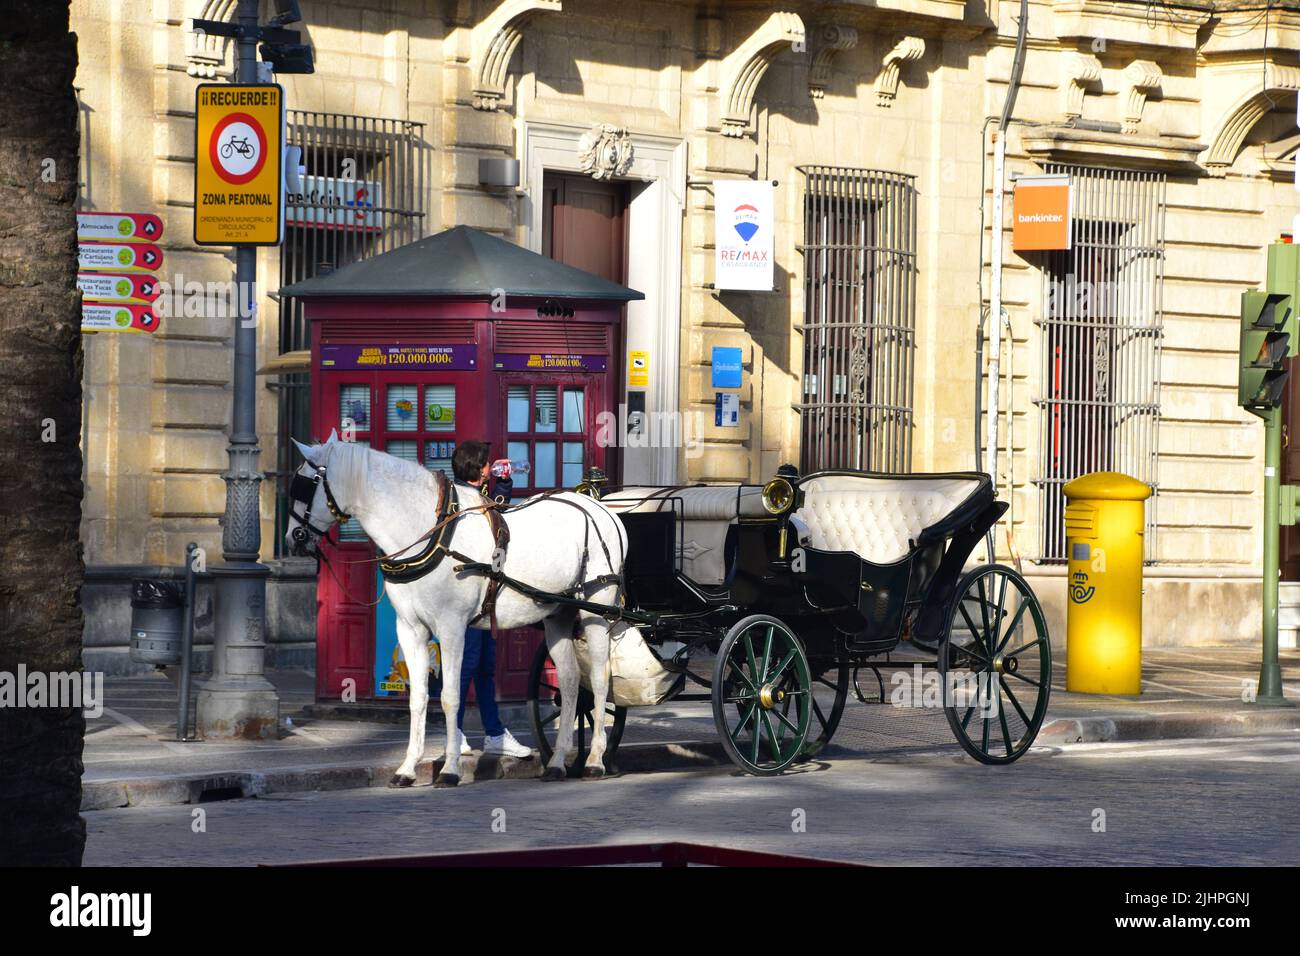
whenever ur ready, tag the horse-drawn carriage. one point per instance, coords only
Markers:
(789, 589)
(796, 586)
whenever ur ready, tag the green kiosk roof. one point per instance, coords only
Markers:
(461, 263)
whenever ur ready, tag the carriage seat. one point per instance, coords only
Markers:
(706, 512)
(879, 517)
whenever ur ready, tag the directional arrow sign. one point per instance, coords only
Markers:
(117, 318)
(119, 257)
(119, 226)
(136, 287)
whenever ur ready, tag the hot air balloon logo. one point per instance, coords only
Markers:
(745, 221)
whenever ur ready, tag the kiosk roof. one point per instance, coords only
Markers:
(461, 262)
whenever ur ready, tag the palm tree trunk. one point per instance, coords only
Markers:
(41, 567)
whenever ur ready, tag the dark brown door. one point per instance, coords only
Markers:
(586, 225)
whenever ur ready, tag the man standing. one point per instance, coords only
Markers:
(471, 464)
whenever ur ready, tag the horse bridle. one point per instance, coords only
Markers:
(302, 491)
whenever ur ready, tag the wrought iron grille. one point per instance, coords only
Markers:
(363, 194)
(1101, 332)
(859, 330)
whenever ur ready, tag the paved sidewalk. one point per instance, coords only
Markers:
(132, 759)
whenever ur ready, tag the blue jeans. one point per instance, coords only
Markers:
(480, 666)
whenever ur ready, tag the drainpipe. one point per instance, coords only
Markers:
(995, 289)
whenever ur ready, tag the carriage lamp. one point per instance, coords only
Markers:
(778, 496)
(592, 484)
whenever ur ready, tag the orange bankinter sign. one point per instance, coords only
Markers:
(1041, 213)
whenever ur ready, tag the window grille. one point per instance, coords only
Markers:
(859, 330)
(1101, 332)
(363, 194)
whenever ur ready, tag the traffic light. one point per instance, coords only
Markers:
(1267, 327)
(1268, 332)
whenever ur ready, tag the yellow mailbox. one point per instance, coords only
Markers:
(1104, 521)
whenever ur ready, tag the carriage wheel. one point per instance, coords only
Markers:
(762, 695)
(544, 715)
(995, 665)
(825, 722)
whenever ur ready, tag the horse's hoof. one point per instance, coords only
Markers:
(446, 780)
(552, 775)
(593, 773)
(400, 781)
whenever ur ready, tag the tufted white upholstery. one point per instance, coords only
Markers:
(877, 517)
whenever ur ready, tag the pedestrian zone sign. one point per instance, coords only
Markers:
(239, 135)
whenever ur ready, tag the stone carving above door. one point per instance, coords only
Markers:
(606, 151)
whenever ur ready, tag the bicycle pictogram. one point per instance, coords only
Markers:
(235, 145)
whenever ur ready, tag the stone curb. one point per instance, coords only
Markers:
(1089, 730)
(207, 788)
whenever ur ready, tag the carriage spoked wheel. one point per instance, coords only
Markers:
(825, 720)
(762, 695)
(995, 665)
(544, 715)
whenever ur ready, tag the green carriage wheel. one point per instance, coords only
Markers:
(995, 665)
(824, 722)
(762, 695)
(544, 716)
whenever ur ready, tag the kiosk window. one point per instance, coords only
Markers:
(407, 450)
(402, 401)
(440, 408)
(545, 426)
(354, 407)
(573, 411)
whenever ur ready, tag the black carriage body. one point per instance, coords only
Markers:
(823, 579)
(843, 606)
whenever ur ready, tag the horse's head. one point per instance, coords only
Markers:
(312, 507)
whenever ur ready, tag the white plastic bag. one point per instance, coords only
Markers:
(639, 680)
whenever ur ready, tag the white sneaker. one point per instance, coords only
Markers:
(464, 745)
(506, 745)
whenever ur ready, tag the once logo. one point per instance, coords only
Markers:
(238, 148)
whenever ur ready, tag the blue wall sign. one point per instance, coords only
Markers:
(726, 368)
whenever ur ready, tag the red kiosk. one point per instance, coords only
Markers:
(461, 335)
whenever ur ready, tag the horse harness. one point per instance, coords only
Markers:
(439, 538)
(302, 491)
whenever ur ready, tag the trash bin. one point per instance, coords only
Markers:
(1105, 516)
(157, 616)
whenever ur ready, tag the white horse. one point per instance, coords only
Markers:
(396, 502)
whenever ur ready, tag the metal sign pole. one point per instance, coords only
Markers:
(239, 701)
(1270, 672)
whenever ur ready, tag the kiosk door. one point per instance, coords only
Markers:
(549, 422)
(418, 416)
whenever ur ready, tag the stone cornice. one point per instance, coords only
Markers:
(1065, 144)
(1114, 22)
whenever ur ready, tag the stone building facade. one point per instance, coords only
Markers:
(1189, 105)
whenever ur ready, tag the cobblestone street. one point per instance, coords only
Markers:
(1164, 803)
